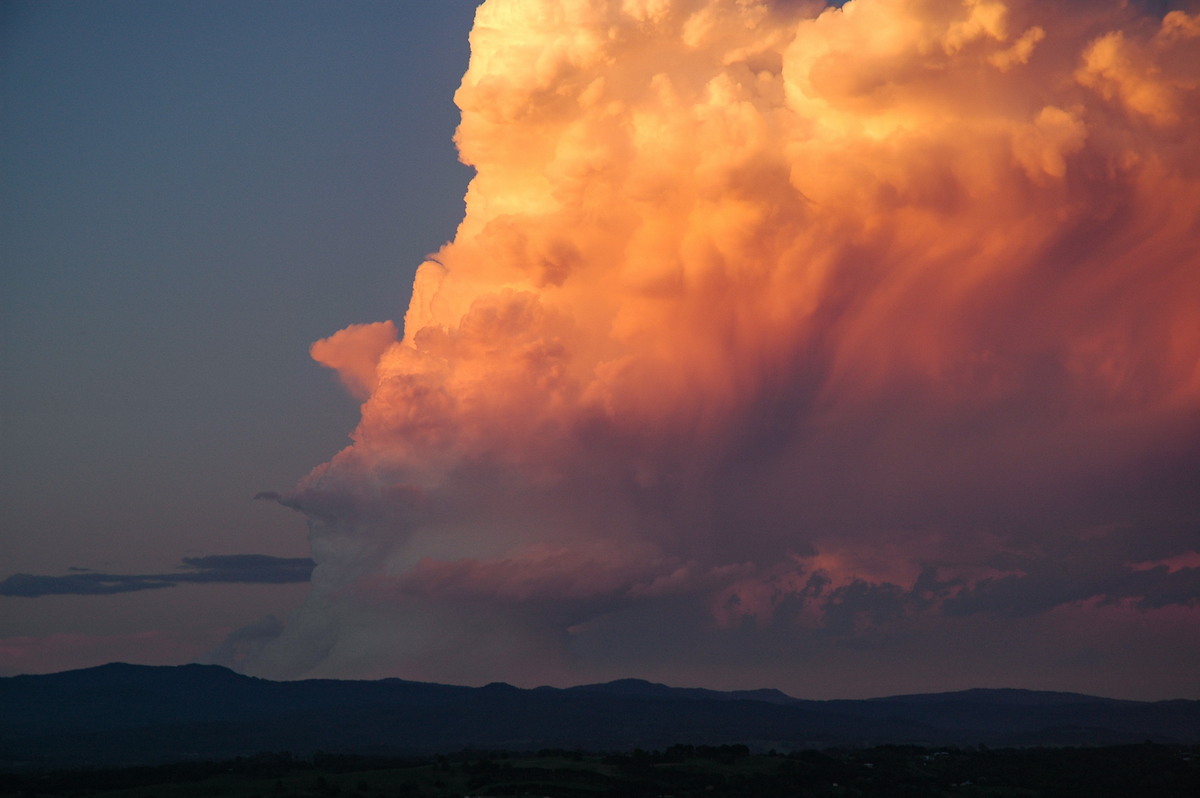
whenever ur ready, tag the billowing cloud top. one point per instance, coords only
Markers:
(776, 328)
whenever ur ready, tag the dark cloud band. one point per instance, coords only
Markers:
(223, 569)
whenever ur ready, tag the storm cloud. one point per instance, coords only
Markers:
(775, 331)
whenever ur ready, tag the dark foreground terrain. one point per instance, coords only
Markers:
(129, 715)
(1136, 770)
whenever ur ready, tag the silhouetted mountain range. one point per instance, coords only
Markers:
(119, 715)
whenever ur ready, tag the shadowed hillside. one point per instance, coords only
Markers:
(119, 715)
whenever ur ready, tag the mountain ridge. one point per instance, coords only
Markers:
(121, 714)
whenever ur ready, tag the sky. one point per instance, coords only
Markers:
(193, 192)
(849, 351)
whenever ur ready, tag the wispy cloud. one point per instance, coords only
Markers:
(224, 568)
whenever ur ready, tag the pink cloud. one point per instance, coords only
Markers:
(828, 325)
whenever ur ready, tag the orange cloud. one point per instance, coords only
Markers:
(747, 289)
(354, 354)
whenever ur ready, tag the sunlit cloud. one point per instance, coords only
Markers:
(818, 324)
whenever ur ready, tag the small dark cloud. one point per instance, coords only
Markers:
(78, 584)
(256, 568)
(227, 568)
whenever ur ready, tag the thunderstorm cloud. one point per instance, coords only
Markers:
(782, 343)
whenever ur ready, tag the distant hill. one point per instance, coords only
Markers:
(120, 715)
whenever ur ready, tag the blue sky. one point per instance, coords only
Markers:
(193, 193)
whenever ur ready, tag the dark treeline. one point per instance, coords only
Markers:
(1165, 771)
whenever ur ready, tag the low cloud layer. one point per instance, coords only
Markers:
(218, 568)
(775, 333)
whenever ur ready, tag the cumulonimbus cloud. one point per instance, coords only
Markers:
(823, 322)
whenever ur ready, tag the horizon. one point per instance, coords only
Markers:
(625, 680)
(849, 349)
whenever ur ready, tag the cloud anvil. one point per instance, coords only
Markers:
(777, 334)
